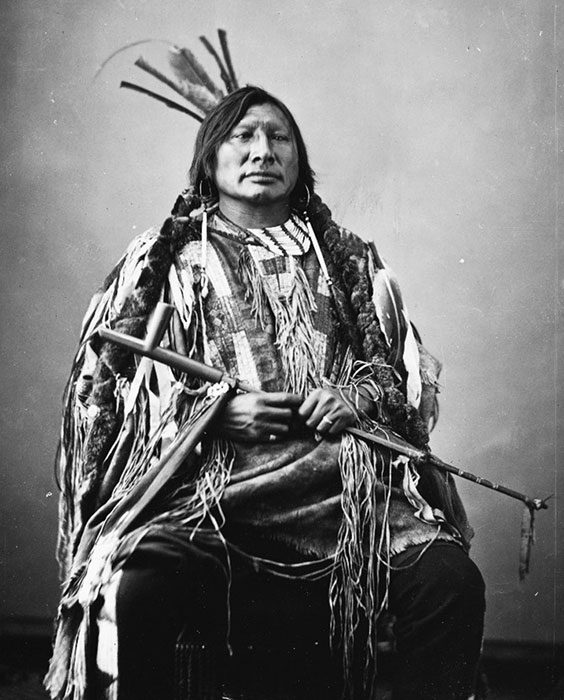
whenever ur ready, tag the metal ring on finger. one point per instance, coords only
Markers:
(325, 420)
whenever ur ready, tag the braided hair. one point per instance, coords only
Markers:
(348, 261)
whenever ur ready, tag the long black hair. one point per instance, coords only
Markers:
(219, 123)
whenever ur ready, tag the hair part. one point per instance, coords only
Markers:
(219, 123)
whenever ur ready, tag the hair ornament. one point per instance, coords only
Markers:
(190, 79)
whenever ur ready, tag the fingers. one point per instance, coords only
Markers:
(331, 424)
(256, 416)
(282, 399)
(320, 403)
(325, 411)
(271, 432)
(277, 415)
(267, 417)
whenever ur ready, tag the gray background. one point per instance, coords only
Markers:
(433, 127)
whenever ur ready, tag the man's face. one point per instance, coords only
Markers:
(257, 164)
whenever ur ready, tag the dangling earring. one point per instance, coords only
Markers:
(314, 241)
(206, 191)
(301, 202)
(205, 198)
(307, 199)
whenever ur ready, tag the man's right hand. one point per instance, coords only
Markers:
(259, 416)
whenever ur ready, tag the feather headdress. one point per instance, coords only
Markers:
(189, 78)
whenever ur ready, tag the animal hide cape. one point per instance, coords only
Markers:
(337, 506)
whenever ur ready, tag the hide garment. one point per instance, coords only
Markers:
(299, 506)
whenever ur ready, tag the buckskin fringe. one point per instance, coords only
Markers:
(294, 323)
(362, 557)
(186, 510)
(365, 498)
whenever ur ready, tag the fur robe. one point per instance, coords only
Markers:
(333, 503)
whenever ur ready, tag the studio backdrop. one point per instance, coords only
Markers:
(433, 128)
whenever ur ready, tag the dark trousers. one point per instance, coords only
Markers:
(169, 588)
(439, 607)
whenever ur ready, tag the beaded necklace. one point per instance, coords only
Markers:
(287, 239)
(298, 233)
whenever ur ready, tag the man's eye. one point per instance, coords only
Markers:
(281, 137)
(241, 135)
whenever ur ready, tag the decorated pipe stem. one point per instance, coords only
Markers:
(148, 348)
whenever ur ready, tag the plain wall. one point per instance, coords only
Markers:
(433, 128)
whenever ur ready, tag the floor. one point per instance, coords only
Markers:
(23, 664)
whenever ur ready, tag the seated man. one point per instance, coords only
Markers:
(268, 288)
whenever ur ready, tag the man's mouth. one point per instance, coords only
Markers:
(263, 174)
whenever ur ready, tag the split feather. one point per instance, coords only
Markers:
(187, 67)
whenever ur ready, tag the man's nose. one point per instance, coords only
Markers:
(261, 148)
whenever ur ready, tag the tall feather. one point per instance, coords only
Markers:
(148, 68)
(160, 98)
(190, 80)
(224, 72)
(198, 95)
(187, 67)
(124, 48)
(227, 57)
(389, 306)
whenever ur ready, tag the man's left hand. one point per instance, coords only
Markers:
(326, 411)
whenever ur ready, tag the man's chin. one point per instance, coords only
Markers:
(257, 197)
(265, 196)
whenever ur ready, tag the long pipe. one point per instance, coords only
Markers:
(148, 348)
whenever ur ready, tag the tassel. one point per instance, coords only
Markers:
(204, 276)
(423, 510)
(527, 540)
(362, 559)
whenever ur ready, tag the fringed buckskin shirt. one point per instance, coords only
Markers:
(267, 315)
